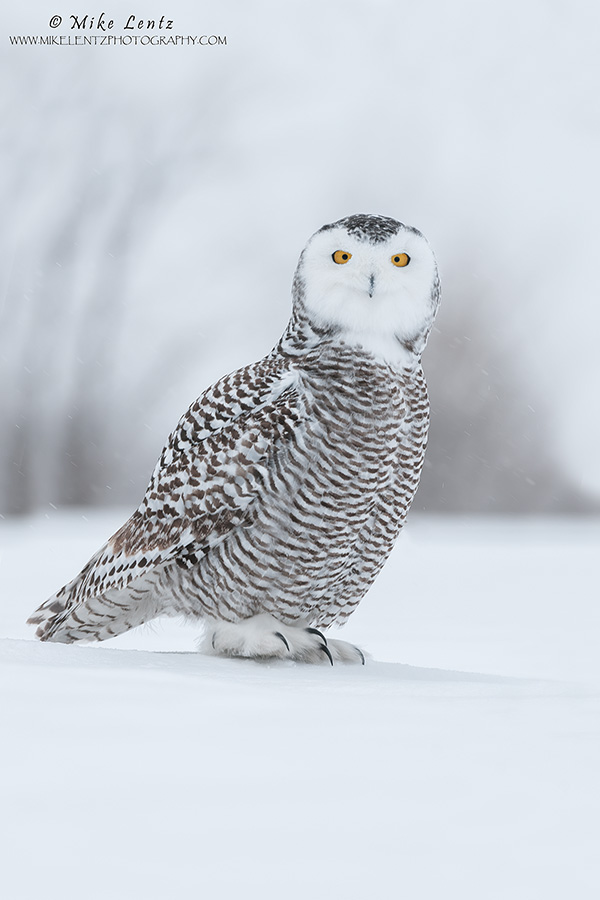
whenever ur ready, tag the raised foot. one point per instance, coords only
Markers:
(265, 637)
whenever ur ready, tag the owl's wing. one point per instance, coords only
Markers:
(211, 469)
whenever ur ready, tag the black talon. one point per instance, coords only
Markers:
(213, 640)
(280, 635)
(318, 633)
(361, 654)
(327, 652)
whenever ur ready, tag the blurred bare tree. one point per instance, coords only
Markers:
(82, 207)
(490, 450)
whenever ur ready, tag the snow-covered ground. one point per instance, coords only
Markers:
(461, 762)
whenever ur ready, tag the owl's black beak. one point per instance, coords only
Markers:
(371, 285)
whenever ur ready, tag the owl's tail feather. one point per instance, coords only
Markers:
(96, 618)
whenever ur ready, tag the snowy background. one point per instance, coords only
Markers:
(155, 201)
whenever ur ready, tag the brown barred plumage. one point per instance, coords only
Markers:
(283, 488)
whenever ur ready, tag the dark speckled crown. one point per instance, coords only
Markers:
(373, 229)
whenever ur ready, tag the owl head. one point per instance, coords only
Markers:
(371, 282)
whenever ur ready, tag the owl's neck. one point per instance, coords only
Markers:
(303, 338)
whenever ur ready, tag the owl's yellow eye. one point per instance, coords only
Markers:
(401, 259)
(341, 256)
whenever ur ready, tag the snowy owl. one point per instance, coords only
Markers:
(279, 495)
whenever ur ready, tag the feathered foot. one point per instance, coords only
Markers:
(265, 637)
